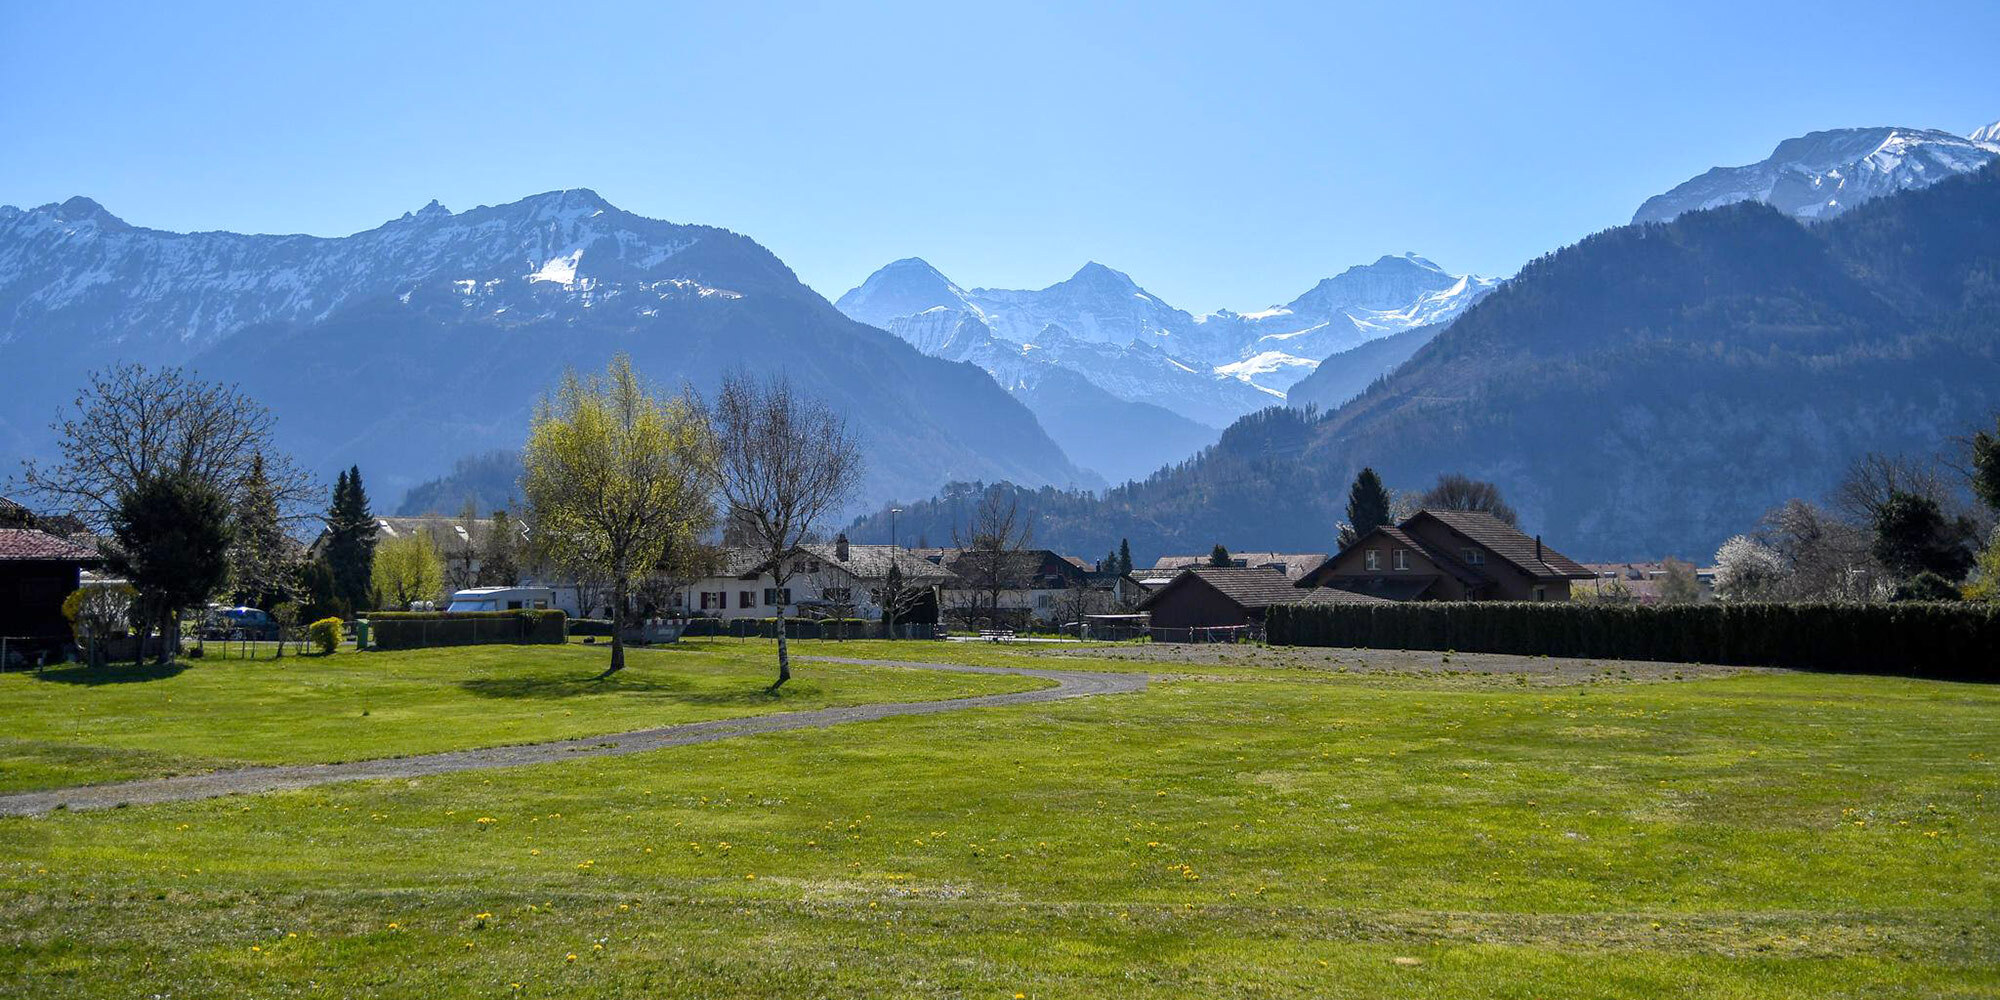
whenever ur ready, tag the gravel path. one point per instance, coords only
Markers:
(1068, 684)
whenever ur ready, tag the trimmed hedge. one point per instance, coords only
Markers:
(1946, 640)
(421, 629)
(590, 626)
(701, 628)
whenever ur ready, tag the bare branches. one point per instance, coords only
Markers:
(132, 423)
(785, 462)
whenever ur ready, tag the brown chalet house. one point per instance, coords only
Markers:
(1450, 555)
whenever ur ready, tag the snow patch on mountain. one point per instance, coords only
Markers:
(1822, 174)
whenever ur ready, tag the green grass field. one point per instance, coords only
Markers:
(75, 726)
(1248, 830)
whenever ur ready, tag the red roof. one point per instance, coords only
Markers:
(26, 544)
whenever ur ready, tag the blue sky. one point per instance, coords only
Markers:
(1223, 155)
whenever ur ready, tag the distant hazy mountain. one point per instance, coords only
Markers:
(1822, 174)
(427, 339)
(1102, 326)
(1649, 391)
(1349, 373)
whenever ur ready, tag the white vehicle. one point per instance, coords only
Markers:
(502, 599)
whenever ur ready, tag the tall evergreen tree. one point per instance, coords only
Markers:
(1125, 556)
(1367, 503)
(1219, 556)
(261, 566)
(350, 544)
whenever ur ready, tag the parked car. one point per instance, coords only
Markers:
(237, 623)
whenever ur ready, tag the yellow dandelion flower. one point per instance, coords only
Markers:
(571, 957)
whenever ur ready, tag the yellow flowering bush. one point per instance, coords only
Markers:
(325, 634)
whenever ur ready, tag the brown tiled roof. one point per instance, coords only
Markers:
(1335, 595)
(1296, 564)
(26, 544)
(1388, 588)
(1507, 542)
(1249, 586)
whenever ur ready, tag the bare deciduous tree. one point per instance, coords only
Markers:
(1457, 491)
(132, 423)
(786, 462)
(990, 553)
(1874, 478)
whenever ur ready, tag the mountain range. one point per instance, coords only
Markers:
(1650, 390)
(428, 339)
(1101, 326)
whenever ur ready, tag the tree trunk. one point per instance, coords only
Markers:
(784, 654)
(170, 635)
(617, 627)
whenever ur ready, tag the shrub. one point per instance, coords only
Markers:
(421, 629)
(325, 634)
(704, 627)
(1944, 640)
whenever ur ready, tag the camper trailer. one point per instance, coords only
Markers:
(502, 599)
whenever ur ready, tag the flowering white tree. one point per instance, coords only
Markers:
(1747, 570)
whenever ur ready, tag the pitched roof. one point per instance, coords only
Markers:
(1295, 564)
(1335, 595)
(27, 544)
(872, 562)
(1249, 586)
(1508, 542)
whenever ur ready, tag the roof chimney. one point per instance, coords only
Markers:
(840, 546)
(1538, 549)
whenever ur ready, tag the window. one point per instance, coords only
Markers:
(1541, 593)
(1474, 557)
(1402, 558)
(746, 599)
(840, 594)
(775, 596)
(1045, 600)
(1374, 557)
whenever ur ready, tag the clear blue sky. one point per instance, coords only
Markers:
(1224, 155)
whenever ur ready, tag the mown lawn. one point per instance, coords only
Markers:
(1289, 834)
(73, 725)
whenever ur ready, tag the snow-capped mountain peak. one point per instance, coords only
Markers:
(1986, 133)
(1102, 325)
(1822, 174)
(900, 288)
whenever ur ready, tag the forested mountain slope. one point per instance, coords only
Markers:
(1647, 391)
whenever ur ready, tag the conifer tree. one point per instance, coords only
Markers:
(1367, 503)
(350, 545)
(1219, 556)
(261, 567)
(1125, 556)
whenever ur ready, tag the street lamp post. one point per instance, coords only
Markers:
(893, 511)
